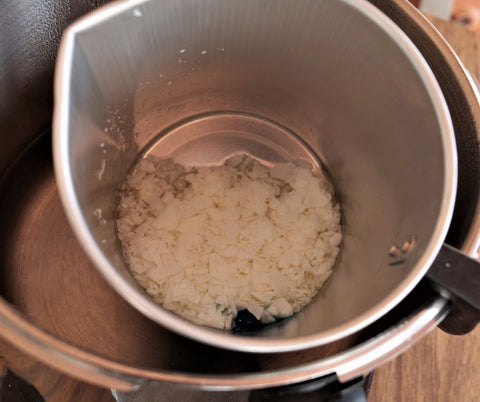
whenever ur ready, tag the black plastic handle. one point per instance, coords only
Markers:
(323, 389)
(457, 276)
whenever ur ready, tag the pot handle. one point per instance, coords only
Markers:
(326, 388)
(457, 277)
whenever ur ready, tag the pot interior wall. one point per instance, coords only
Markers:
(323, 70)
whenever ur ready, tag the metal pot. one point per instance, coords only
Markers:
(281, 82)
(64, 327)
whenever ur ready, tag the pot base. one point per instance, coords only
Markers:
(210, 139)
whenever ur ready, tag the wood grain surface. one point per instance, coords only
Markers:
(441, 367)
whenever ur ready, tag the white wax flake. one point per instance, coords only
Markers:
(221, 49)
(102, 144)
(169, 83)
(203, 52)
(98, 213)
(137, 12)
(257, 311)
(102, 170)
(211, 241)
(182, 50)
(105, 130)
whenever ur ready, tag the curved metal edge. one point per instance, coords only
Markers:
(392, 344)
(60, 355)
(473, 237)
(348, 365)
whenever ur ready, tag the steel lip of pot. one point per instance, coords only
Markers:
(472, 244)
(107, 373)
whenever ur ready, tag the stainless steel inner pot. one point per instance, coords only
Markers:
(333, 82)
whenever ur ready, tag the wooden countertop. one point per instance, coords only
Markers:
(440, 367)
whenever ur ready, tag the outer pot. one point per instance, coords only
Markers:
(383, 341)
